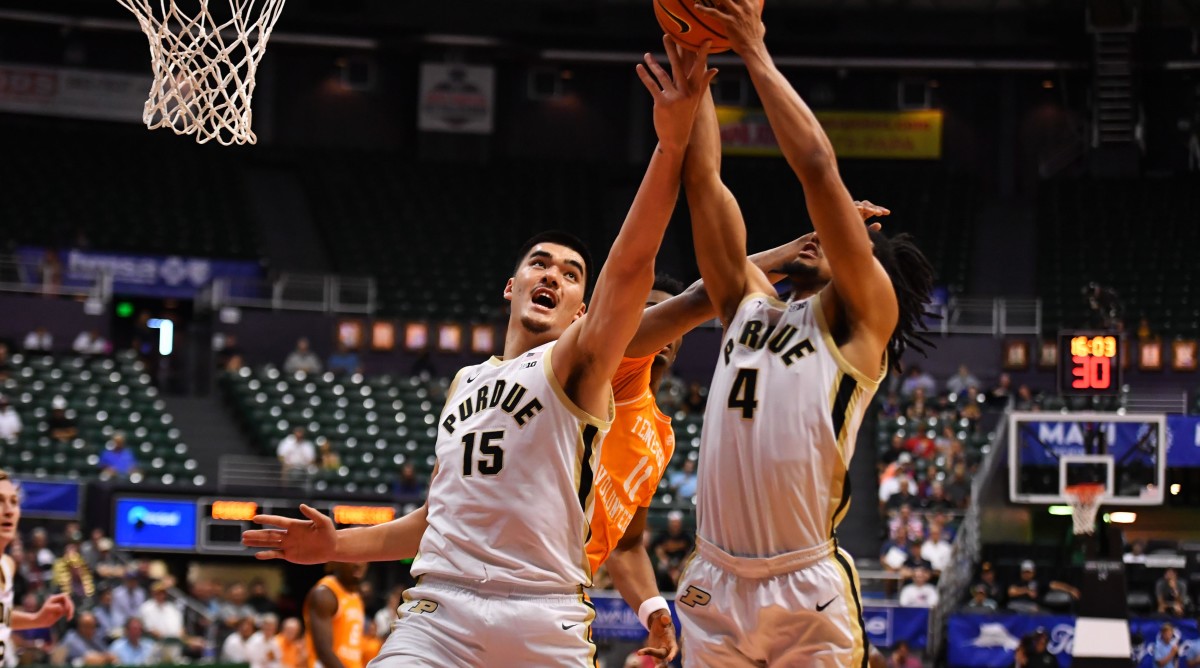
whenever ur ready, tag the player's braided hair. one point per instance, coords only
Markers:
(912, 279)
(668, 284)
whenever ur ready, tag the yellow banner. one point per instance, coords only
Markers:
(901, 135)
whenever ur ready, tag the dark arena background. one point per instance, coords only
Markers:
(171, 312)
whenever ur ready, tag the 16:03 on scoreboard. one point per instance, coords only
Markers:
(1089, 363)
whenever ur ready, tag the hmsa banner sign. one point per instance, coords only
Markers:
(884, 135)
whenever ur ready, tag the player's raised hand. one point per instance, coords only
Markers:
(310, 541)
(678, 94)
(661, 644)
(55, 608)
(741, 21)
(868, 210)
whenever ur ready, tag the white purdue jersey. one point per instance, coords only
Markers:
(512, 498)
(783, 411)
(8, 651)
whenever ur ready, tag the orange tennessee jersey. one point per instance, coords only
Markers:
(347, 626)
(632, 460)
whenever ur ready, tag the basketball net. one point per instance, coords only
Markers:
(1085, 501)
(204, 71)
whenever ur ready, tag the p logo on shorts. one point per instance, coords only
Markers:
(694, 596)
(423, 605)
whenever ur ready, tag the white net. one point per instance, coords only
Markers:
(204, 65)
(1085, 501)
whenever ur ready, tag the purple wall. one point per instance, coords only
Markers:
(63, 317)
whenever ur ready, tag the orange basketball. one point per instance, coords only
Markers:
(688, 27)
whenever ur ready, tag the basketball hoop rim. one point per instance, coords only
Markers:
(1084, 492)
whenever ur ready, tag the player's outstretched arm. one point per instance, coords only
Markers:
(315, 540)
(589, 352)
(55, 608)
(633, 574)
(718, 230)
(322, 606)
(861, 285)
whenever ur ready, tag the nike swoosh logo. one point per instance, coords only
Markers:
(821, 608)
(472, 378)
(568, 627)
(684, 26)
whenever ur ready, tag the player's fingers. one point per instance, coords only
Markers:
(875, 227)
(275, 521)
(269, 554)
(263, 537)
(664, 79)
(318, 518)
(656, 652)
(677, 71)
(648, 81)
(701, 62)
(708, 78)
(712, 12)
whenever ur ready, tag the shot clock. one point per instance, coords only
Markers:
(1089, 363)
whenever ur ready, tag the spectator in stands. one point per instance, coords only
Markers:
(261, 601)
(344, 361)
(695, 400)
(34, 645)
(235, 609)
(261, 649)
(893, 452)
(10, 422)
(39, 340)
(330, 461)
(229, 355)
(916, 378)
(387, 614)
(302, 359)
(90, 548)
(408, 484)
(979, 600)
(971, 397)
(1172, 594)
(296, 453)
(5, 362)
(128, 599)
(293, 653)
(920, 445)
(61, 427)
(163, 619)
(90, 342)
(84, 645)
(1002, 393)
(1037, 654)
(72, 575)
(936, 550)
(197, 620)
(117, 460)
(671, 547)
(919, 593)
(987, 579)
(683, 481)
(958, 490)
(915, 561)
(39, 544)
(371, 644)
(103, 611)
(960, 381)
(237, 645)
(936, 502)
(1166, 647)
(904, 518)
(946, 439)
(905, 498)
(901, 658)
(916, 409)
(1025, 401)
(894, 553)
(1023, 596)
(133, 648)
(889, 480)
(890, 408)
(109, 569)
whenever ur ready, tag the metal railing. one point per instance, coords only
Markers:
(24, 277)
(296, 292)
(990, 316)
(1155, 402)
(260, 473)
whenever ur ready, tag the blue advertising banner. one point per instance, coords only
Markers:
(885, 625)
(155, 524)
(1183, 441)
(50, 499)
(990, 641)
(143, 275)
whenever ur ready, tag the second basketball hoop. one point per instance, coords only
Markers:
(204, 63)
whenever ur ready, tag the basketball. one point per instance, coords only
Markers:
(679, 20)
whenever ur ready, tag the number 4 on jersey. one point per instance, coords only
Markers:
(744, 394)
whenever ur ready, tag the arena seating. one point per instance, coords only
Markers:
(1136, 236)
(104, 395)
(122, 190)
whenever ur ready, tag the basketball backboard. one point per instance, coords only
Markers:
(1050, 451)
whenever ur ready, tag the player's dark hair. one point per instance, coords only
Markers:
(4, 475)
(562, 239)
(912, 279)
(668, 284)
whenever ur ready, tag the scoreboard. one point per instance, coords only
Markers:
(214, 525)
(1089, 363)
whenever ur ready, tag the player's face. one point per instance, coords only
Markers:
(547, 290)
(669, 352)
(10, 511)
(350, 572)
(809, 268)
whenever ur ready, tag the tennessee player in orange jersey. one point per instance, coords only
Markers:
(333, 615)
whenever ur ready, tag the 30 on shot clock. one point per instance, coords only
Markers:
(1089, 363)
